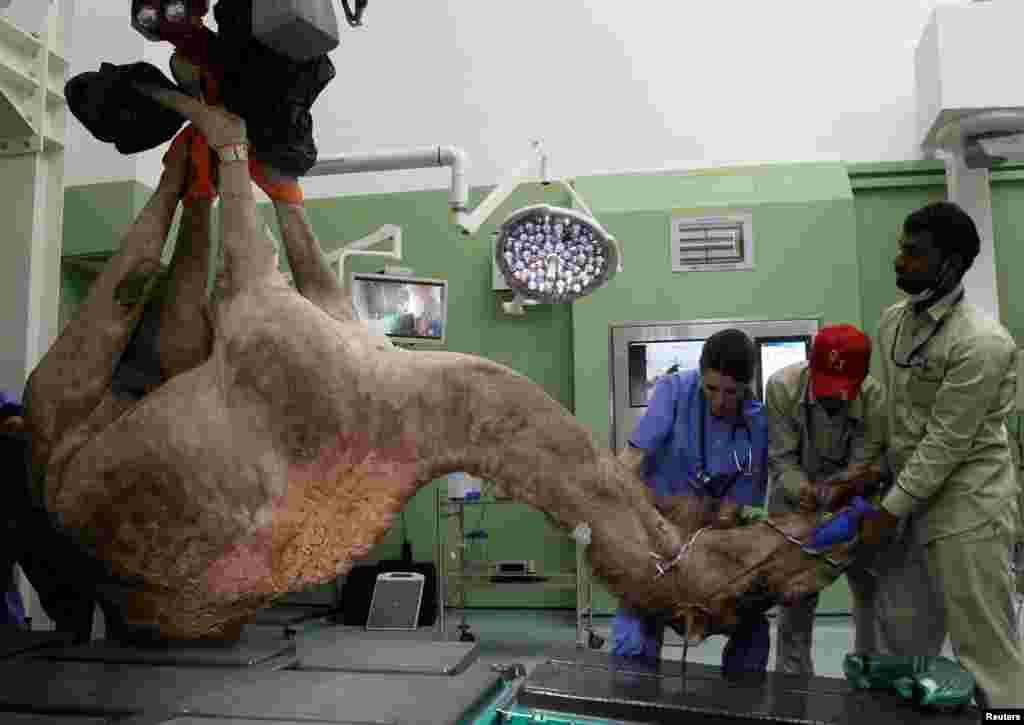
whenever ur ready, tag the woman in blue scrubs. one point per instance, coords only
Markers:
(704, 434)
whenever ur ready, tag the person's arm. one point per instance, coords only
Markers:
(783, 440)
(655, 426)
(653, 429)
(975, 373)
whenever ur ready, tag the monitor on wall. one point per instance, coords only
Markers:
(652, 360)
(411, 311)
(777, 353)
(643, 353)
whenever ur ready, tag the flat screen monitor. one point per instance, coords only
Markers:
(777, 353)
(412, 311)
(650, 361)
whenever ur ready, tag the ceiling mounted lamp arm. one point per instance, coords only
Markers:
(405, 159)
(354, 17)
(533, 170)
(982, 138)
(360, 247)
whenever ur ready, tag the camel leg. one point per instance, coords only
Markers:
(313, 275)
(250, 257)
(185, 336)
(75, 375)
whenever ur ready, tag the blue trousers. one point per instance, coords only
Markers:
(14, 610)
(634, 635)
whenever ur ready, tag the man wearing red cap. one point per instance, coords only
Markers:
(826, 420)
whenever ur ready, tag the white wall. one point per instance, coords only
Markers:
(609, 86)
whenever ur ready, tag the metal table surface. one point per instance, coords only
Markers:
(102, 690)
(13, 718)
(592, 684)
(188, 720)
(343, 697)
(348, 651)
(241, 654)
(15, 641)
(283, 615)
(109, 683)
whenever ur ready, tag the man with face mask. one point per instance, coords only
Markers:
(826, 419)
(704, 434)
(950, 378)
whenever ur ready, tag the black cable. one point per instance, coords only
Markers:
(406, 544)
(355, 19)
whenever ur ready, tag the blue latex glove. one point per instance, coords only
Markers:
(636, 636)
(843, 527)
(14, 610)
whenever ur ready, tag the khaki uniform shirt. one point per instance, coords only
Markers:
(947, 411)
(806, 444)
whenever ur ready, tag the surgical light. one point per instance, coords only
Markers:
(167, 19)
(550, 254)
(147, 19)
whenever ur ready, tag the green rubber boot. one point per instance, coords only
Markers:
(935, 682)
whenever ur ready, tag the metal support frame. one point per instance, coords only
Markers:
(361, 247)
(405, 159)
(33, 112)
(953, 140)
(441, 156)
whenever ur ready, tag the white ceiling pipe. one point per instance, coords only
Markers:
(403, 159)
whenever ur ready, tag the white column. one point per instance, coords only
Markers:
(32, 127)
(970, 188)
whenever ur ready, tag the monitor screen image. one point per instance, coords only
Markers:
(649, 362)
(777, 354)
(402, 307)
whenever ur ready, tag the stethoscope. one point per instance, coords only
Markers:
(909, 360)
(809, 421)
(705, 482)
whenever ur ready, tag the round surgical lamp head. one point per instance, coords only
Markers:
(167, 19)
(549, 254)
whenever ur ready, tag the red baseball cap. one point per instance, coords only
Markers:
(840, 358)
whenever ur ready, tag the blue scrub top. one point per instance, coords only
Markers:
(670, 435)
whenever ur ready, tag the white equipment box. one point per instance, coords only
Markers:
(396, 601)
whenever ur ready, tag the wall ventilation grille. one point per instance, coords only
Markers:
(705, 244)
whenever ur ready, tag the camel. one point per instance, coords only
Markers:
(284, 437)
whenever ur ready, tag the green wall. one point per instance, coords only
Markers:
(884, 195)
(824, 234)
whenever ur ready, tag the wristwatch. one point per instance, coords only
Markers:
(234, 152)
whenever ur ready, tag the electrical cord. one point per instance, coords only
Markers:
(483, 515)
(1020, 440)
(355, 18)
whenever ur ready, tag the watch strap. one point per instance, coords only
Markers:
(233, 152)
